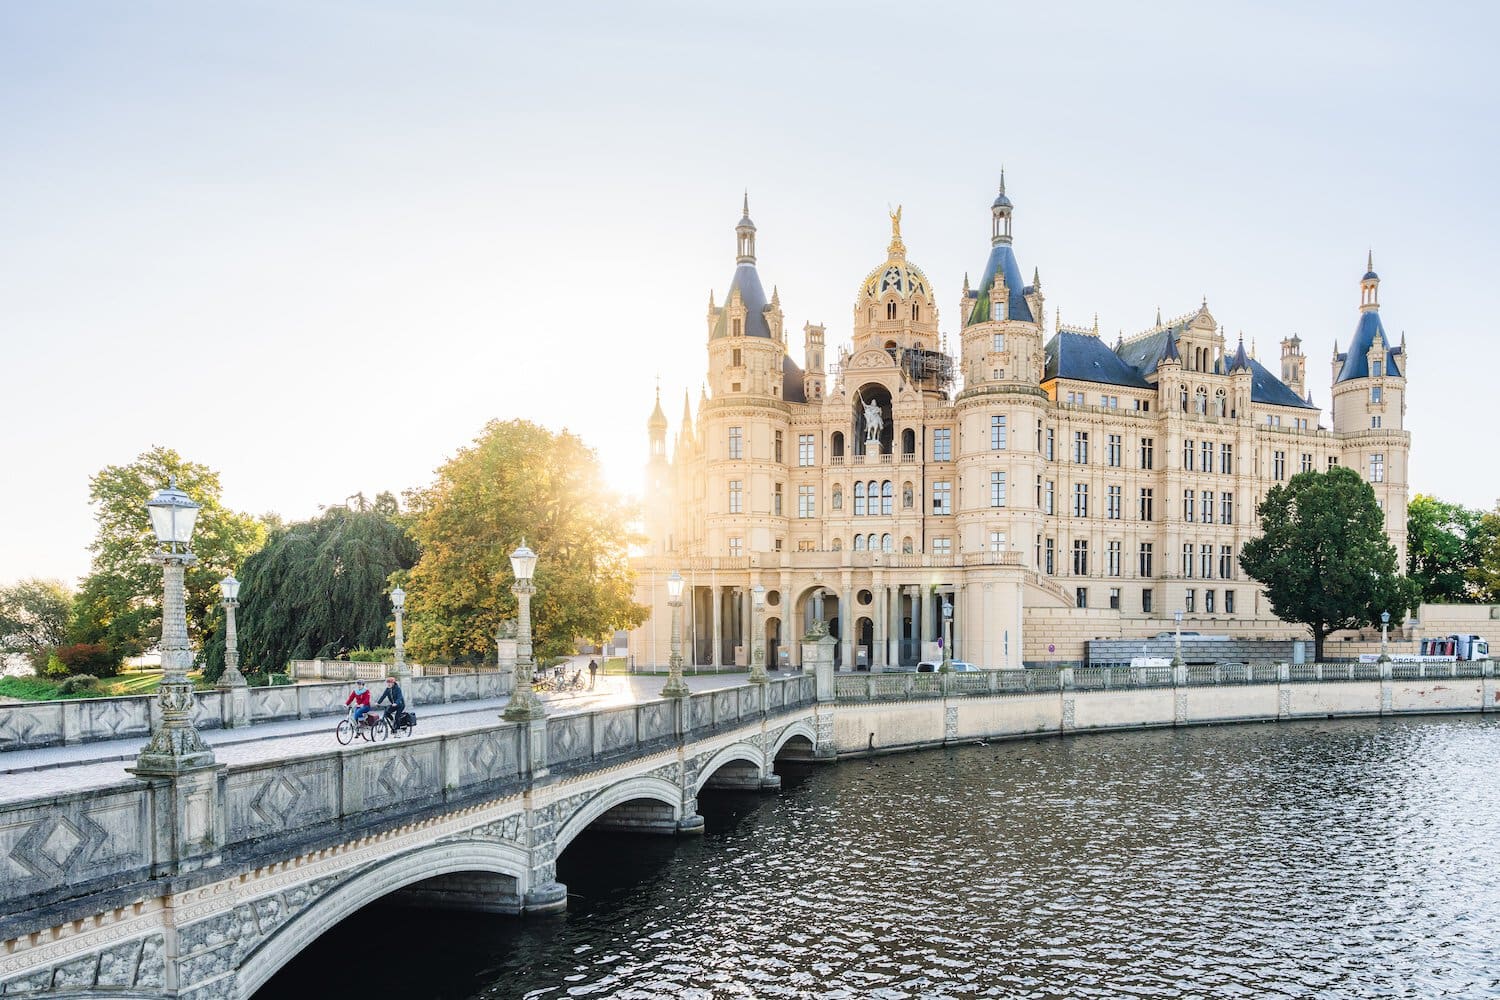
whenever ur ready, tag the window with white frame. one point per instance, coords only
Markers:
(1148, 447)
(1278, 465)
(1051, 557)
(1115, 451)
(1048, 498)
(942, 444)
(1206, 562)
(736, 442)
(997, 489)
(887, 497)
(736, 496)
(1113, 501)
(1080, 499)
(1307, 462)
(807, 452)
(1207, 461)
(1208, 602)
(807, 501)
(1187, 454)
(1190, 601)
(776, 500)
(1375, 422)
(1148, 504)
(942, 546)
(997, 542)
(997, 432)
(1081, 447)
(859, 499)
(736, 546)
(1187, 504)
(1226, 562)
(1206, 506)
(1187, 559)
(1146, 555)
(1080, 557)
(1377, 467)
(1112, 554)
(998, 344)
(1049, 449)
(1114, 598)
(1226, 508)
(1375, 394)
(942, 496)
(1226, 459)
(1229, 602)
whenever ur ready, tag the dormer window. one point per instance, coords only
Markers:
(737, 331)
(1379, 369)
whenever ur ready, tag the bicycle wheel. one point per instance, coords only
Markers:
(345, 732)
(380, 730)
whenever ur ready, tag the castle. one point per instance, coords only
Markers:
(1029, 494)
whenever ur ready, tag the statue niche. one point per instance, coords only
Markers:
(872, 426)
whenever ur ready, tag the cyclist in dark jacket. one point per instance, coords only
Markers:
(392, 693)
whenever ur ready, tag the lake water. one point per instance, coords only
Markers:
(1337, 859)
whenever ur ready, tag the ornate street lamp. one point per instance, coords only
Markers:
(403, 672)
(1177, 656)
(1385, 624)
(524, 704)
(175, 745)
(947, 635)
(757, 635)
(231, 677)
(675, 687)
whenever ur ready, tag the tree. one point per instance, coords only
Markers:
(1483, 576)
(318, 588)
(34, 616)
(518, 480)
(1441, 548)
(1323, 555)
(119, 604)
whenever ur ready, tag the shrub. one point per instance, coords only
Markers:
(79, 684)
(384, 654)
(54, 667)
(88, 658)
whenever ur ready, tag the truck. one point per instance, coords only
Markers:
(1441, 649)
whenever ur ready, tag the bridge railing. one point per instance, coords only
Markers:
(896, 686)
(29, 725)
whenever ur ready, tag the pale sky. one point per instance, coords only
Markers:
(315, 245)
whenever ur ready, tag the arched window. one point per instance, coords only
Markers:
(890, 309)
(1220, 404)
(859, 499)
(914, 313)
(859, 543)
(836, 444)
(838, 498)
(908, 442)
(1200, 400)
(874, 498)
(887, 497)
(906, 544)
(906, 496)
(872, 543)
(887, 543)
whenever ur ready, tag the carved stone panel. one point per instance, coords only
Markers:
(74, 840)
(30, 725)
(269, 801)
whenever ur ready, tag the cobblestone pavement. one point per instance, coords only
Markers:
(28, 774)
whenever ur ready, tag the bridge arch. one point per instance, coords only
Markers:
(736, 752)
(656, 789)
(801, 728)
(370, 883)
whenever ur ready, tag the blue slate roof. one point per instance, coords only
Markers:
(747, 282)
(1086, 358)
(1356, 361)
(791, 381)
(1267, 388)
(1003, 258)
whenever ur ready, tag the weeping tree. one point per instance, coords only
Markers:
(318, 588)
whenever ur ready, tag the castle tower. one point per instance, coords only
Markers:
(812, 347)
(658, 482)
(1294, 365)
(1002, 335)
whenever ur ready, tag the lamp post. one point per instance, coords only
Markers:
(231, 677)
(1385, 624)
(675, 687)
(175, 745)
(1177, 655)
(757, 635)
(403, 672)
(947, 634)
(524, 704)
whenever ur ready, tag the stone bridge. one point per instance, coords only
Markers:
(205, 885)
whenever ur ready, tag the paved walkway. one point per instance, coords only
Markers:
(27, 774)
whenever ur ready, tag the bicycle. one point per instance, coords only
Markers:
(373, 727)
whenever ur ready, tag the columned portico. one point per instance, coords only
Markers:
(718, 609)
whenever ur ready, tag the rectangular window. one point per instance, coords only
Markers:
(1375, 396)
(736, 496)
(1081, 447)
(1146, 555)
(776, 447)
(999, 343)
(1206, 506)
(997, 542)
(736, 442)
(1378, 369)
(1206, 459)
(1048, 453)
(1143, 405)
(1113, 502)
(1377, 468)
(859, 499)
(942, 497)
(1112, 558)
(1187, 454)
(942, 546)
(776, 501)
(806, 545)
(1226, 508)
(997, 432)
(1050, 563)
(1114, 598)
(1146, 600)
(807, 501)
(1047, 499)
(1307, 462)
(736, 546)
(1208, 602)
(997, 489)
(1110, 402)
(1080, 499)
(1375, 422)
(1148, 504)
(1080, 557)
(1206, 562)
(1081, 597)
(1332, 461)
(1278, 465)
(1187, 505)
(942, 444)
(1226, 563)
(1226, 459)
(1148, 446)
(1190, 601)
(806, 449)
(887, 498)
(1116, 451)
(1229, 602)
(1187, 559)
(1273, 420)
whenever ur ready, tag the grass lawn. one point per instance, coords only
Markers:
(46, 689)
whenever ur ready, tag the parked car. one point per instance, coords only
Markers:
(933, 666)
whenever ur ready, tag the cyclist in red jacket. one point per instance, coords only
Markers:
(360, 699)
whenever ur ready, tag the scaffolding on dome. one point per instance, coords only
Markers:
(928, 369)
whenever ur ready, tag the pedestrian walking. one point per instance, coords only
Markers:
(593, 672)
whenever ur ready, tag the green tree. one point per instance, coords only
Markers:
(1323, 555)
(1483, 576)
(518, 480)
(318, 588)
(1441, 548)
(119, 604)
(34, 616)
